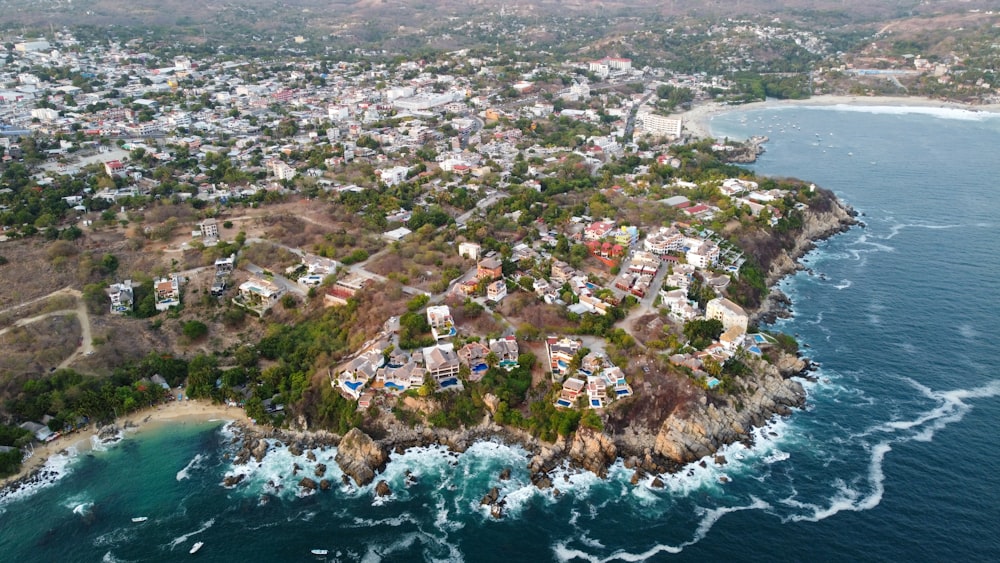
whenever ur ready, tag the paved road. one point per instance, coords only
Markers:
(278, 279)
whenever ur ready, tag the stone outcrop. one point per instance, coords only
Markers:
(705, 427)
(320, 470)
(382, 489)
(593, 451)
(360, 457)
(307, 483)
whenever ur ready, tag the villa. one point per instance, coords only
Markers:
(506, 351)
(442, 324)
(731, 314)
(474, 355)
(561, 352)
(496, 290)
(442, 365)
(122, 297)
(258, 295)
(168, 292)
(356, 375)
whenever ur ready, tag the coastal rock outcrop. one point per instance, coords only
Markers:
(703, 428)
(593, 450)
(307, 483)
(360, 457)
(382, 489)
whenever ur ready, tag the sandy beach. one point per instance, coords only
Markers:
(697, 120)
(172, 412)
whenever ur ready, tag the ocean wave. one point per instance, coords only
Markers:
(276, 475)
(193, 464)
(54, 469)
(183, 538)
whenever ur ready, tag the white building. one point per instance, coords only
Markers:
(731, 314)
(469, 250)
(658, 125)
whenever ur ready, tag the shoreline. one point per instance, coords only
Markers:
(697, 120)
(172, 412)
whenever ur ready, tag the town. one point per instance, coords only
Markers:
(544, 242)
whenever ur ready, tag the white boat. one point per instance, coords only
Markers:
(196, 547)
(138, 519)
(320, 551)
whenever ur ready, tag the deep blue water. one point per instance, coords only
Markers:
(895, 457)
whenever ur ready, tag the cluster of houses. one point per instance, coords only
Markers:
(383, 367)
(594, 375)
(167, 294)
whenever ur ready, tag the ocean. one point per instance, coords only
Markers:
(894, 457)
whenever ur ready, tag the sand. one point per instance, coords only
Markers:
(697, 120)
(172, 412)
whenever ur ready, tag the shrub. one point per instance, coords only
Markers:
(193, 330)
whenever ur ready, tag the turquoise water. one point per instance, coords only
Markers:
(894, 457)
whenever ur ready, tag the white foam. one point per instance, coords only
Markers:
(193, 464)
(181, 539)
(274, 474)
(54, 469)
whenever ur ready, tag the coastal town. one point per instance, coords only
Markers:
(384, 243)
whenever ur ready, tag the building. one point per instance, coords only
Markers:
(489, 269)
(506, 351)
(392, 176)
(474, 355)
(469, 250)
(281, 169)
(442, 365)
(665, 241)
(168, 292)
(344, 289)
(496, 290)
(258, 295)
(209, 230)
(113, 167)
(658, 125)
(122, 297)
(561, 352)
(731, 314)
(442, 324)
(352, 380)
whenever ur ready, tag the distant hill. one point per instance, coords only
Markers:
(269, 14)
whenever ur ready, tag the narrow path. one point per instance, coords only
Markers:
(86, 346)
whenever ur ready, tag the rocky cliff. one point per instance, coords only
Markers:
(360, 457)
(707, 426)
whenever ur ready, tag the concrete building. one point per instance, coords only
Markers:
(731, 314)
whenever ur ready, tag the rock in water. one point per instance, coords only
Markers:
(360, 457)
(233, 480)
(320, 470)
(307, 483)
(382, 489)
(324, 485)
(505, 474)
(657, 483)
(491, 497)
(310, 456)
(593, 450)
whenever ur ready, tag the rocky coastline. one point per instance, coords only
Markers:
(680, 437)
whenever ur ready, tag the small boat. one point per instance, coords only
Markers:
(138, 519)
(196, 547)
(320, 551)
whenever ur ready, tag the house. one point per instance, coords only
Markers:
(731, 314)
(598, 230)
(168, 292)
(561, 272)
(496, 290)
(40, 431)
(561, 352)
(258, 294)
(474, 355)
(469, 250)
(489, 268)
(352, 380)
(113, 167)
(442, 324)
(400, 374)
(442, 364)
(122, 297)
(571, 389)
(344, 289)
(506, 351)
(209, 230)
(366, 399)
